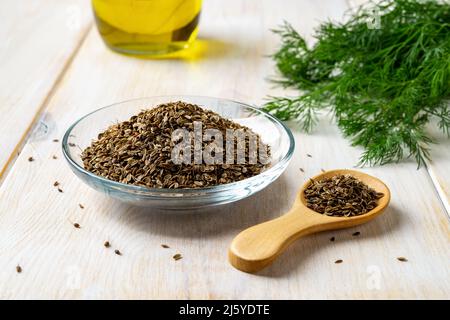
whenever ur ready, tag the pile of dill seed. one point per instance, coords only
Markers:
(138, 151)
(341, 195)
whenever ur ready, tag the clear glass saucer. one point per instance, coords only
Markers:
(272, 131)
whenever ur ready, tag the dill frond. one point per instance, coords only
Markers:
(384, 85)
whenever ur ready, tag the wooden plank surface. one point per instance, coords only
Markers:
(60, 261)
(439, 166)
(38, 40)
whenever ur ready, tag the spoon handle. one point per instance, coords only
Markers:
(256, 247)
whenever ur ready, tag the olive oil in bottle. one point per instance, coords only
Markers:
(147, 27)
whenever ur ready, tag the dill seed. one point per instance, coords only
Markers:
(107, 244)
(402, 259)
(302, 170)
(338, 261)
(81, 206)
(19, 269)
(60, 190)
(77, 225)
(71, 144)
(55, 140)
(118, 252)
(30, 159)
(177, 257)
(143, 145)
(165, 246)
(341, 195)
(56, 183)
(332, 239)
(355, 234)
(54, 157)
(323, 170)
(308, 155)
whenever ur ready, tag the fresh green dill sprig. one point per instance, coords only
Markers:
(383, 83)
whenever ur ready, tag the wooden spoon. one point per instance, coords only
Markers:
(256, 247)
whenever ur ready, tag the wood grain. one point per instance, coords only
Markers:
(258, 246)
(439, 166)
(38, 40)
(61, 261)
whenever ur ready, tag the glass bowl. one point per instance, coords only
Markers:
(272, 132)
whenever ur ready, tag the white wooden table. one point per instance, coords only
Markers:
(54, 69)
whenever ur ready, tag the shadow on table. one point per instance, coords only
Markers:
(202, 49)
(214, 221)
(295, 257)
(232, 218)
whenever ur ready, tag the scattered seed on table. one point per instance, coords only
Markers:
(71, 144)
(118, 252)
(81, 206)
(323, 170)
(77, 225)
(31, 159)
(332, 239)
(301, 169)
(19, 269)
(56, 183)
(308, 155)
(55, 140)
(165, 246)
(355, 234)
(107, 244)
(54, 157)
(339, 261)
(177, 257)
(60, 190)
(402, 259)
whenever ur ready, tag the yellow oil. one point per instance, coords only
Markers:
(147, 27)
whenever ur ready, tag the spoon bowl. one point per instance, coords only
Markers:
(258, 246)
